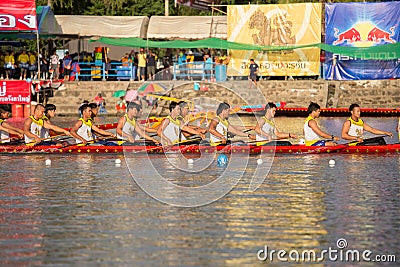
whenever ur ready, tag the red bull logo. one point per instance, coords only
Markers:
(377, 35)
(351, 36)
(364, 34)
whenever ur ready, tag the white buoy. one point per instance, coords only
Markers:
(259, 161)
(332, 162)
(48, 162)
(117, 161)
(190, 161)
(117, 165)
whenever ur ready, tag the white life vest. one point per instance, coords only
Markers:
(309, 135)
(36, 129)
(129, 128)
(222, 128)
(268, 128)
(85, 131)
(356, 127)
(4, 134)
(173, 131)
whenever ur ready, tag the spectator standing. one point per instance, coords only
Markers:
(44, 64)
(87, 61)
(151, 64)
(55, 65)
(2, 65)
(32, 65)
(67, 63)
(190, 60)
(253, 70)
(134, 61)
(23, 60)
(182, 63)
(208, 66)
(142, 63)
(9, 64)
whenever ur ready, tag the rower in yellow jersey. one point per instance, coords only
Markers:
(312, 132)
(82, 130)
(170, 129)
(185, 120)
(266, 129)
(219, 127)
(128, 127)
(6, 129)
(354, 127)
(34, 124)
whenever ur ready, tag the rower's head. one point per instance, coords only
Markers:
(133, 109)
(50, 110)
(38, 112)
(270, 109)
(174, 109)
(4, 114)
(184, 108)
(313, 110)
(355, 111)
(86, 111)
(95, 109)
(223, 110)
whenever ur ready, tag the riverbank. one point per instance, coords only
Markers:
(296, 94)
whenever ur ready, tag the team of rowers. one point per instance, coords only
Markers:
(176, 128)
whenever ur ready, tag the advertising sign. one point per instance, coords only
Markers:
(18, 15)
(276, 25)
(362, 25)
(15, 92)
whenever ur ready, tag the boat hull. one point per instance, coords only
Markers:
(200, 149)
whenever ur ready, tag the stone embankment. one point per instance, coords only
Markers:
(298, 93)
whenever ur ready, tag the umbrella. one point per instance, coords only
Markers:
(131, 95)
(119, 93)
(151, 88)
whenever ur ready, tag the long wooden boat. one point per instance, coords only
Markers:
(200, 149)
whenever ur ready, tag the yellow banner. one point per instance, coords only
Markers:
(275, 25)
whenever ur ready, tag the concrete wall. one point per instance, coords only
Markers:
(371, 94)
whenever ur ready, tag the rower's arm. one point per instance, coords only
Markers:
(160, 132)
(376, 131)
(120, 126)
(74, 131)
(15, 129)
(27, 130)
(143, 134)
(55, 128)
(281, 135)
(314, 126)
(190, 130)
(10, 131)
(236, 131)
(102, 132)
(212, 128)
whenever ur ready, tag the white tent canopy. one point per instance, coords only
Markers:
(187, 27)
(105, 26)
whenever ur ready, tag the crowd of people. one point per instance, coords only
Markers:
(28, 64)
(176, 128)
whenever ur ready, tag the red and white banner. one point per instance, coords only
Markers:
(18, 15)
(15, 92)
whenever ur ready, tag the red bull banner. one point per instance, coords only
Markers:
(362, 25)
(275, 25)
(18, 15)
(15, 92)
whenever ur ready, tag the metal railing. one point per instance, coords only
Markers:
(197, 70)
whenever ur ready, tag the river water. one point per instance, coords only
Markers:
(84, 210)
